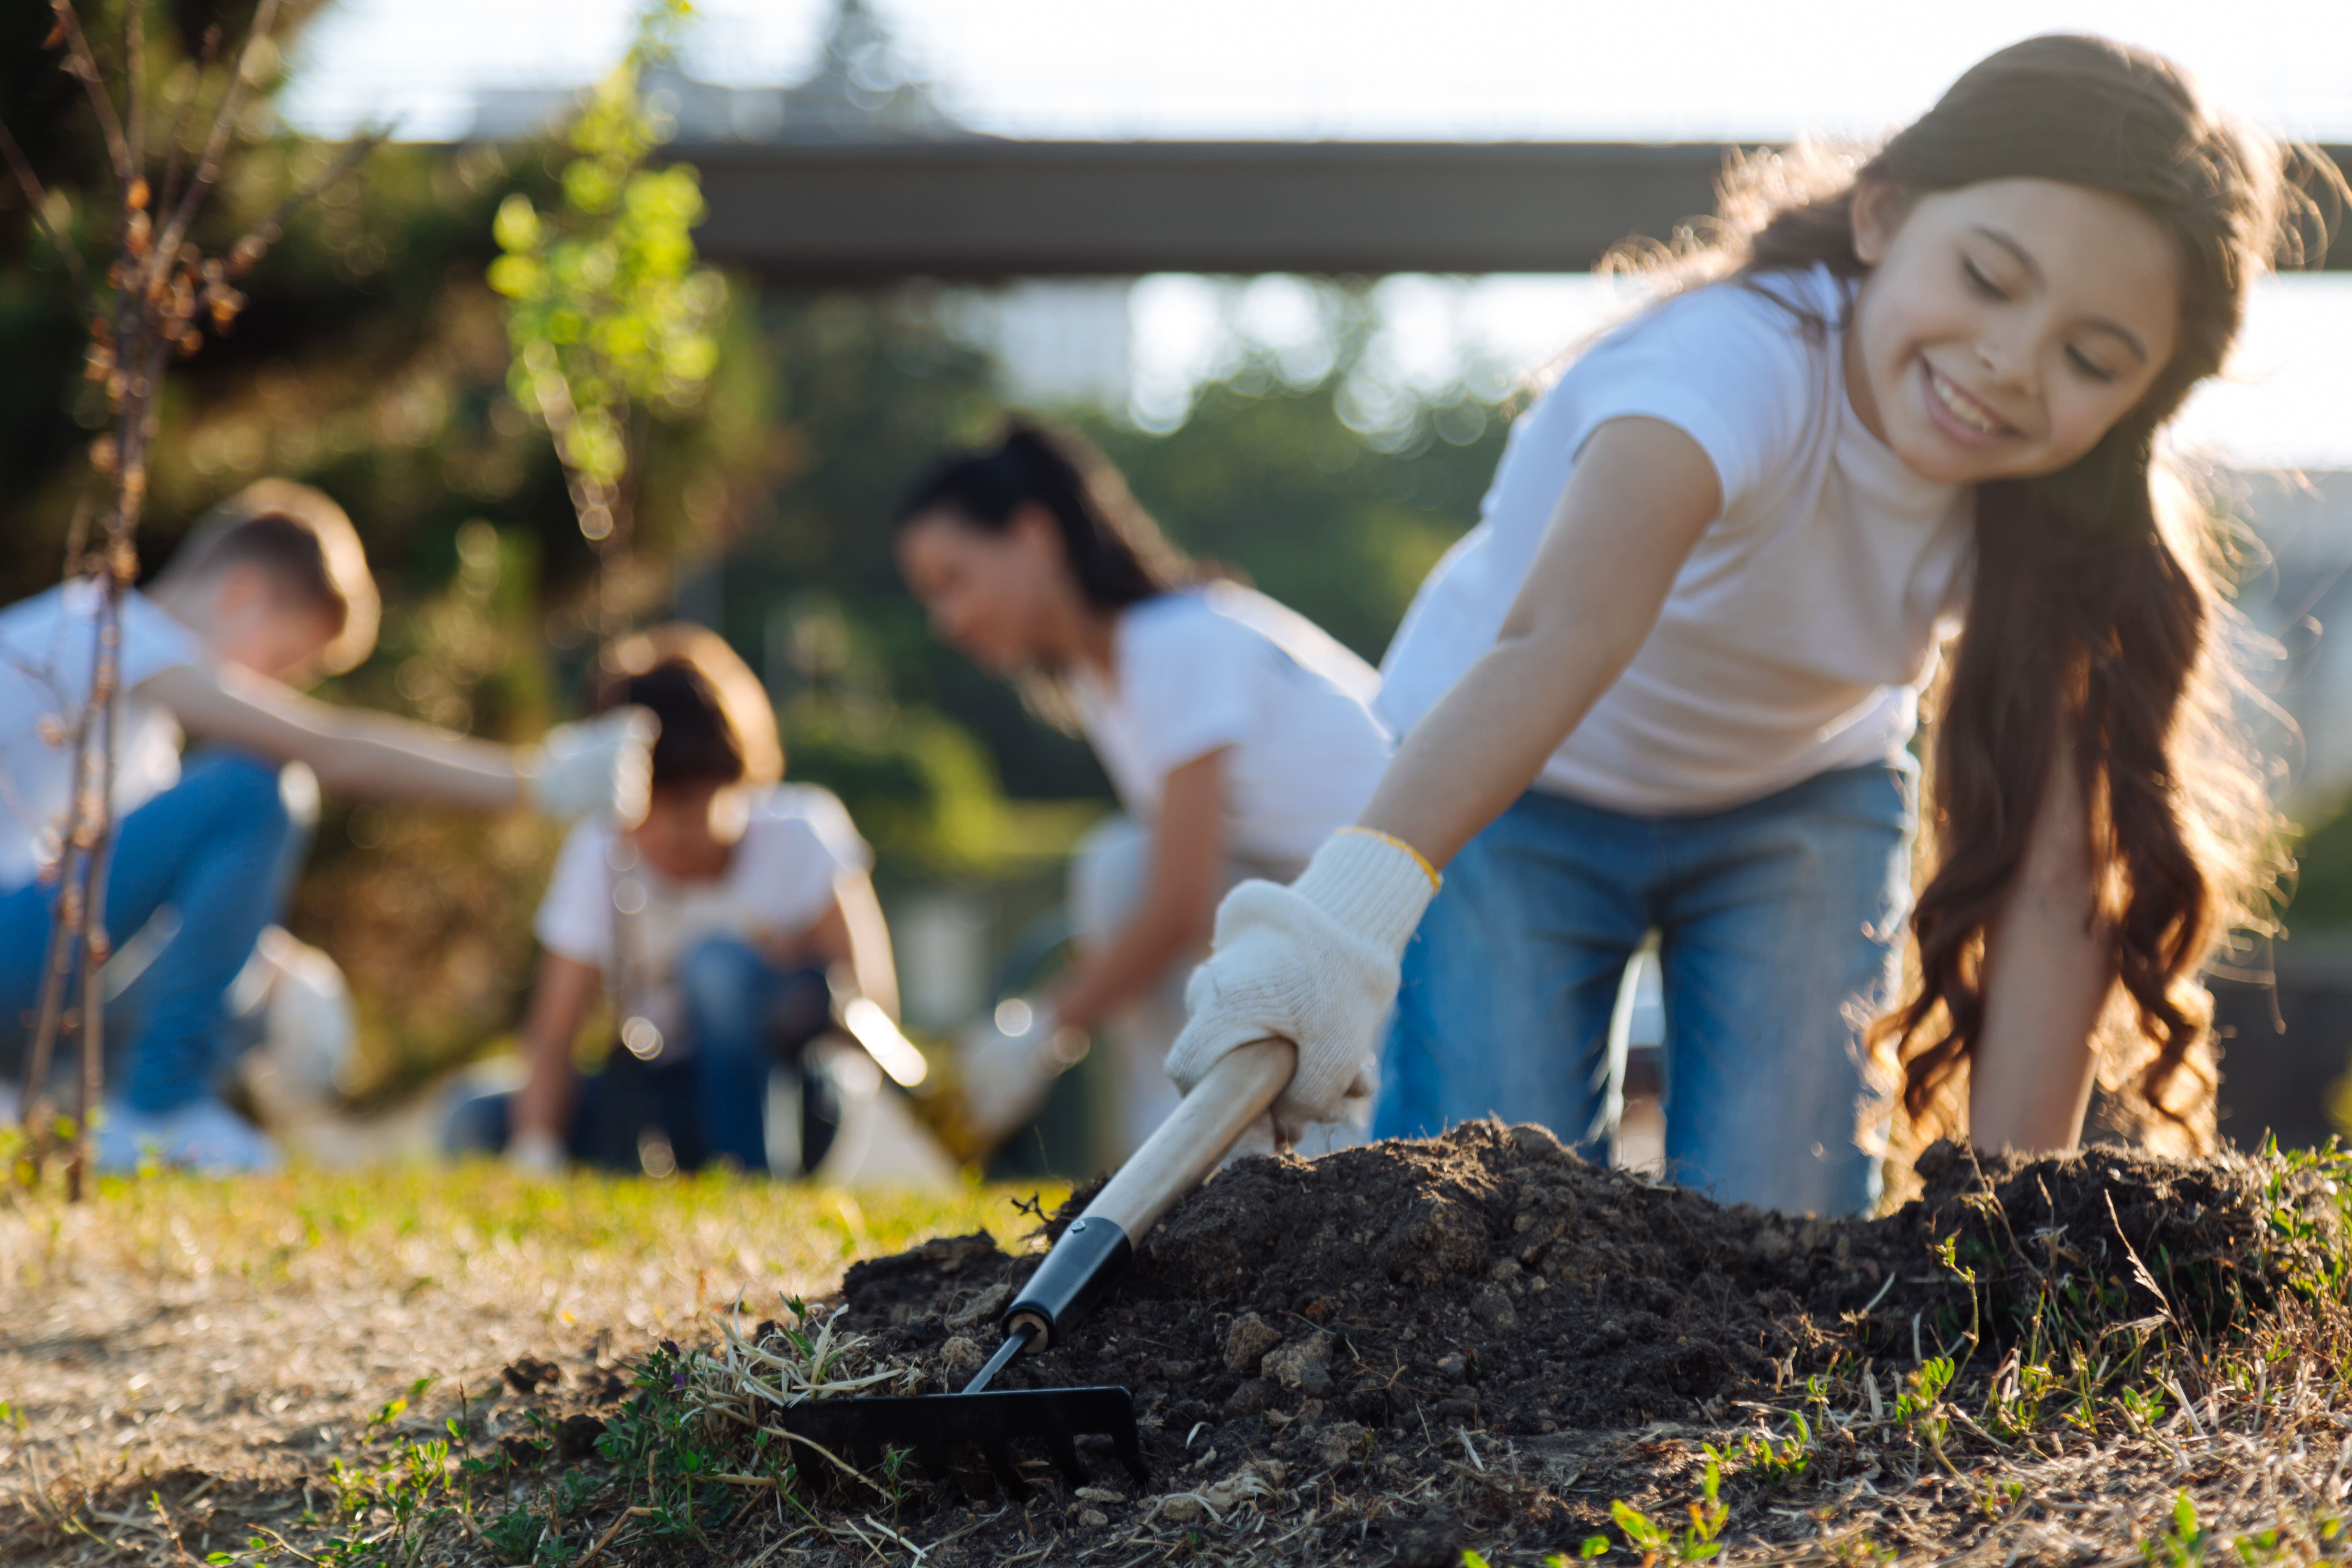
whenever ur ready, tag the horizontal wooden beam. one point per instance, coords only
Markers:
(986, 209)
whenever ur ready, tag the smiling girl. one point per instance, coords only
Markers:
(1669, 681)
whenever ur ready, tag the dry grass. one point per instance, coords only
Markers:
(218, 1342)
(193, 1368)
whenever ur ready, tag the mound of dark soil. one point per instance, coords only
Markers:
(1492, 1280)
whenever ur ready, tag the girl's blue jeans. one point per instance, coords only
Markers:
(219, 847)
(1780, 923)
(744, 1016)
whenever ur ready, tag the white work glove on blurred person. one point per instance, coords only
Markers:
(1007, 1065)
(1314, 963)
(599, 766)
(539, 1153)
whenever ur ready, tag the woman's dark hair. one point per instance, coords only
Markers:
(2096, 621)
(717, 727)
(1115, 552)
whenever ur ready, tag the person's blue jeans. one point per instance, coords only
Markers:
(215, 848)
(1780, 923)
(743, 1017)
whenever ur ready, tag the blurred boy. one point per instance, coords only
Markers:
(711, 926)
(270, 591)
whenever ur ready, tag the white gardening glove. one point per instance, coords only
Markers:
(535, 1153)
(600, 767)
(1314, 963)
(1007, 1071)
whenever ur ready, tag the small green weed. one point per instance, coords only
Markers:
(1919, 1408)
(2183, 1545)
(2018, 1390)
(2142, 1409)
(1697, 1541)
(1783, 1463)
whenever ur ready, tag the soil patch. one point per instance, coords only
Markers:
(1376, 1322)
(1491, 1279)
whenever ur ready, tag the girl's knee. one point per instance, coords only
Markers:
(722, 973)
(245, 790)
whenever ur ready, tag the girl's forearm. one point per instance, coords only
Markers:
(1145, 950)
(1484, 743)
(1172, 922)
(376, 756)
(371, 755)
(559, 1004)
(865, 938)
(2049, 966)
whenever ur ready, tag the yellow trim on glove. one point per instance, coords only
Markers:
(1437, 882)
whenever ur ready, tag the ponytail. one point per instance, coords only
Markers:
(1114, 551)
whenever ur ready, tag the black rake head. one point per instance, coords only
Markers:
(859, 1430)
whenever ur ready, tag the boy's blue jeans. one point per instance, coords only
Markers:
(219, 847)
(743, 1015)
(1779, 925)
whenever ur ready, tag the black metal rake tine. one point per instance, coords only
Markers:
(1001, 1465)
(1129, 1450)
(1065, 1455)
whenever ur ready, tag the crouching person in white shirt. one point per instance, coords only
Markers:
(711, 927)
(1238, 733)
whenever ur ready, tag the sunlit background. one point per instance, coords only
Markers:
(1468, 71)
(1327, 435)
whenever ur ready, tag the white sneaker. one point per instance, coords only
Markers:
(204, 1136)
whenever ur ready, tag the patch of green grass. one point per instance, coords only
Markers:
(417, 1228)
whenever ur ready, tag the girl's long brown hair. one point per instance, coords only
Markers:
(2096, 620)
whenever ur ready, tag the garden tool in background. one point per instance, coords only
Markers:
(988, 1087)
(1081, 1267)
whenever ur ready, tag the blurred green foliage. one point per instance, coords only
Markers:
(2323, 881)
(606, 308)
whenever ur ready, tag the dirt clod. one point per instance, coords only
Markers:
(575, 1439)
(1247, 1341)
(528, 1374)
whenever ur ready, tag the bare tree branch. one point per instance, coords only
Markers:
(37, 199)
(84, 66)
(208, 167)
(64, 925)
(94, 943)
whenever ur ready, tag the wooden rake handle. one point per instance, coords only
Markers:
(1176, 1158)
(1201, 1130)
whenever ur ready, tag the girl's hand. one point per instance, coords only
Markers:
(1314, 963)
(600, 767)
(1006, 1073)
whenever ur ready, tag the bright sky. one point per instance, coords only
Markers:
(1443, 68)
(1428, 69)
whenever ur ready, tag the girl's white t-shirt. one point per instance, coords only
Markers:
(1800, 632)
(798, 848)
(45, 647)
(1222, 666)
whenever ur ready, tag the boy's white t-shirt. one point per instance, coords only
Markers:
(1221, 665)
(798, 848)
(45, 647)
(1798, 635)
